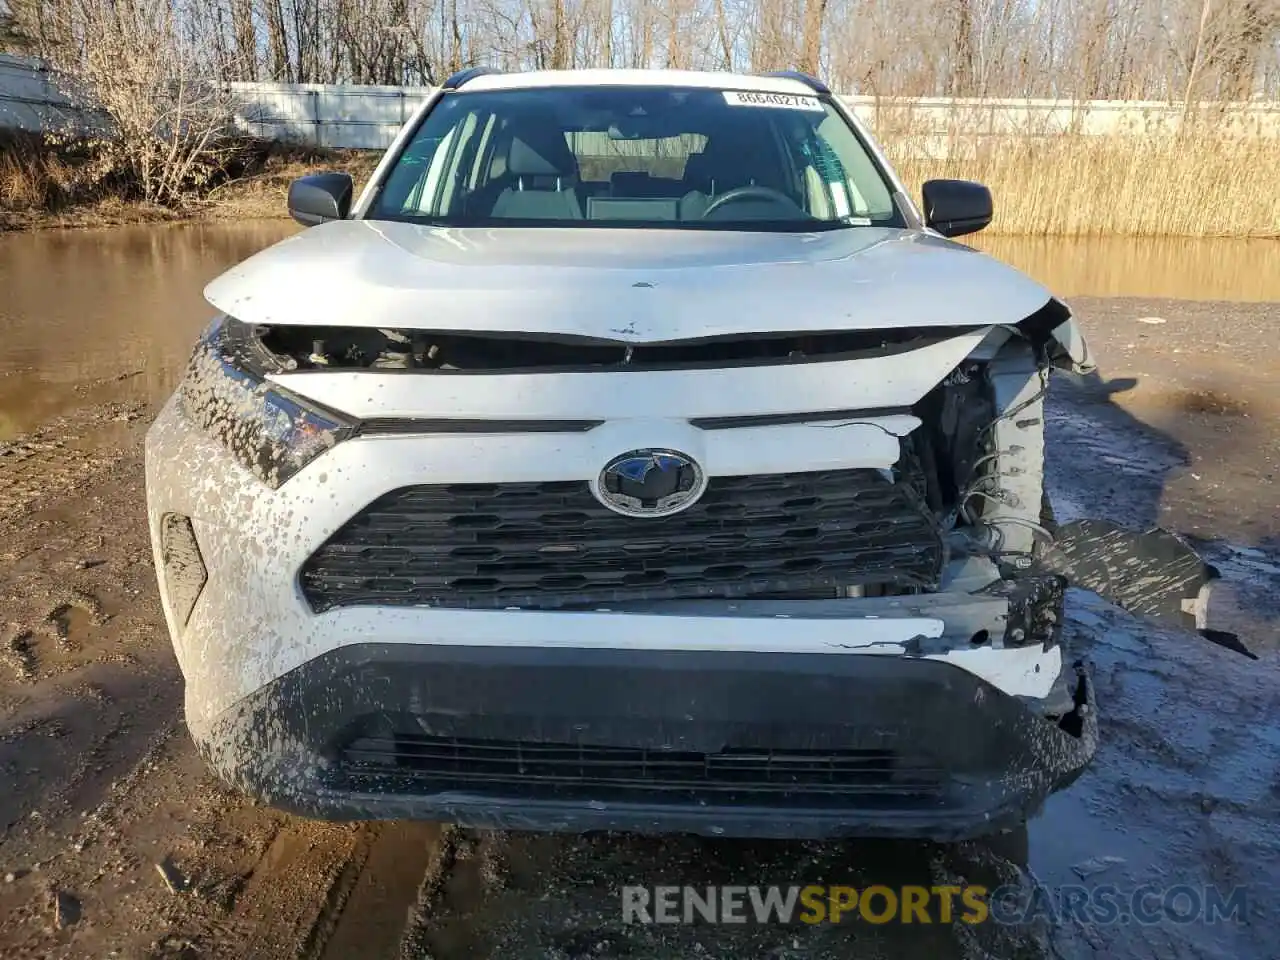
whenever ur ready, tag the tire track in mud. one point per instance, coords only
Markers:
(372, 919)
(299, 882)
(61, 457)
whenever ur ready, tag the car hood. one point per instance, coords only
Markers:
(635, 285)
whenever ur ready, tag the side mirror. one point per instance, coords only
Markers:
(956, 207)
(320, 197)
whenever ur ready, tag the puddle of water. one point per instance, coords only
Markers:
(81, 308)
(1180, 796)
(89, 316)
(1182, 269)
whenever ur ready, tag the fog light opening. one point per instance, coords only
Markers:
(184, 571)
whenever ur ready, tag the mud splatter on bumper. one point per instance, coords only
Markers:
(944, 755)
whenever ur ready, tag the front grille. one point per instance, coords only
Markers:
(553, 545)
(417, 762)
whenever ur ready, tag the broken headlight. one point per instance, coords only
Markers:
(269, 430)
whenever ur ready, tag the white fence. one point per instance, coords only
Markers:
(34, 97)
(367, 117)
(349, 117)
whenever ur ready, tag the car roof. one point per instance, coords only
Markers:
(535, 79)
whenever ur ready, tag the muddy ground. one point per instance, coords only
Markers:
(114, 841)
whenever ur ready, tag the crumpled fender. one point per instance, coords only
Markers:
(1069, 349)
(1055, 331)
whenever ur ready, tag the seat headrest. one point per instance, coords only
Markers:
(633, 182)
(541, 152)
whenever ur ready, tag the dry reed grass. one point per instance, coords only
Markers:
(48, 176)
(261, 189)
(48, 182)
(1068, 184)
(29, 175)
(1056, 184)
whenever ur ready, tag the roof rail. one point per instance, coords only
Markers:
(812, 83)
(466, 76)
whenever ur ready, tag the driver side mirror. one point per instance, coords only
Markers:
(956, 207)
(320, 197)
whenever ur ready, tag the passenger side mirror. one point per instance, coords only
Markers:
(956, 207)
(320, 197)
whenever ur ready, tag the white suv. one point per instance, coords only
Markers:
(633, 454)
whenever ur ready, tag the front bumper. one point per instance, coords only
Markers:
(719, 744)
(876, 689)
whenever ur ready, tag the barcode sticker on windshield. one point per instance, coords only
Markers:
(787, 101)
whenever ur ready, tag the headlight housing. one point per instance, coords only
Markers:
(269, 430)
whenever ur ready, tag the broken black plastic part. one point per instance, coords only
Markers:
(1155, 574)
(460, 353)
(1038, 327)
(1229, 640)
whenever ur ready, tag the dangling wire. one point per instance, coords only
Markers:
(973, 483)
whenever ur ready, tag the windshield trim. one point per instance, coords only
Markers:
(901, 217)
(729, 226)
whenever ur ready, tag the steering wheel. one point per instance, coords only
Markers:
(748, 192)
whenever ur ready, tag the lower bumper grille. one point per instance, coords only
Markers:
(549, 545)
(424, 763)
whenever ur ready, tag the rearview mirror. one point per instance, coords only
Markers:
(956, 207)
(320, 197)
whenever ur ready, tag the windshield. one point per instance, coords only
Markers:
(636, 156)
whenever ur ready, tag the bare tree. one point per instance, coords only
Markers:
(169, 123)
(1176, 50)
(815, 12)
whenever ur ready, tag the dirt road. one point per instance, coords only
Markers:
(116, 842)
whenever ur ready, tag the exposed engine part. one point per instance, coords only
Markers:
(954, 415)
(1035, 609)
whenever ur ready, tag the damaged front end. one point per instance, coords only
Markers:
(867, 596)
(984, 432)
(964, 505)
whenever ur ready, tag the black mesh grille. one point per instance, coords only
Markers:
(566, 771)
(548, 545)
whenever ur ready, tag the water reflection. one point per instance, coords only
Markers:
(90, 315)
(87, 316)
(1182, 269)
